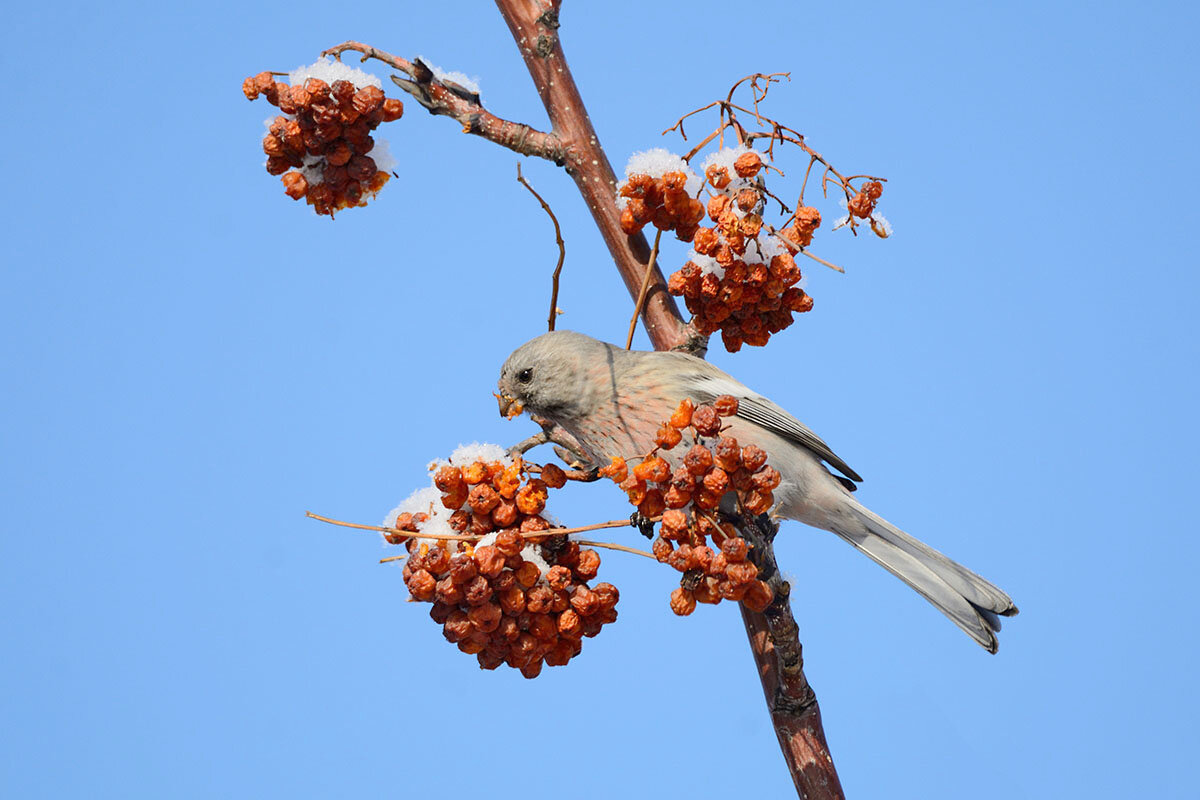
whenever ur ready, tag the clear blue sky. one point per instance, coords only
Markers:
(190, 360)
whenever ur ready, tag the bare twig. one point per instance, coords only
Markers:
(470, 537)
(641, 298)
(453, 537)
(562, 249)
(820, 260)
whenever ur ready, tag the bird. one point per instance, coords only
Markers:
(611, 402)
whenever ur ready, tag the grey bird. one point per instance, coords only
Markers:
(612, 402)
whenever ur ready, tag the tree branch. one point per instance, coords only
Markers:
(774, 637)
(446, 98)
(534, 27)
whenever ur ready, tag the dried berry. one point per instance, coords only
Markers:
(726, 405)
(699, 459)
(683, 602)
(617, 470)
(747, 164)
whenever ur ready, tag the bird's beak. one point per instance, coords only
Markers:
(509, 406)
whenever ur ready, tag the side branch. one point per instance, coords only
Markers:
(446, 98)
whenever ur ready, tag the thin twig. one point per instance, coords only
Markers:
(586, 542)
(470, 537)
(619, 547)
(637, 308)
(562, 248)
(818, 259)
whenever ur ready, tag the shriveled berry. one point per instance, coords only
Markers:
(554, 476)
(758, 501)
(617, 470)
(758, 596)
(683, 602)
(667, 437)
(747, 164)
(753, 457)
(705, 421)
(726, 405)
(699, 459)
(735, 548)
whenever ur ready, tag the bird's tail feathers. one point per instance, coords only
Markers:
(970, 601)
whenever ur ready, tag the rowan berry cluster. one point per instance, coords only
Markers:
(322, 143)
(517, 595)
(687, 496)
(661, 201)
(742, 278)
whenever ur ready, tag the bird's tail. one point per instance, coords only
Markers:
(974, 604)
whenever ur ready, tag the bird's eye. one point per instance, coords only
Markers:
(525, 375)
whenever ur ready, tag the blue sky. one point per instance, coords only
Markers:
(191, 360)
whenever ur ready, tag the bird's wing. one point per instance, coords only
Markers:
(761, 411)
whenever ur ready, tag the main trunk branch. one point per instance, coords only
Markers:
(774, 637)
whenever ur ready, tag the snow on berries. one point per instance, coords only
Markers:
(740, 278)
(862, 206)
(321, 143)
(660, 189)
(685, 498)
(512, 592)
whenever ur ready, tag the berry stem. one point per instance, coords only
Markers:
(641, 298)
(466, 537)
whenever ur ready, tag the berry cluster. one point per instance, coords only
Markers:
(742, 279)
(686, 497)
(322, 144)
(517, 595)
(663, 202)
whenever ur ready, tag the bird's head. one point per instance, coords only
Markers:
(552, 376)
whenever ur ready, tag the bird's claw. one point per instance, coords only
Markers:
(644, 524)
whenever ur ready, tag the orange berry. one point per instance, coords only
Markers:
(294, 185)
(735, 548)
(554, 476)
(683, 602)
(393, 109)
(531, 498)
(747, 165)
(698, 460)
(758, 501)
(758, 596)
(682, 417)
(718, 177)
(705, 421)
(617, 470)
(653, 469)
(652, 504)
(747, 199)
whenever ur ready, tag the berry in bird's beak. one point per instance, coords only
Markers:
(509, 406)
